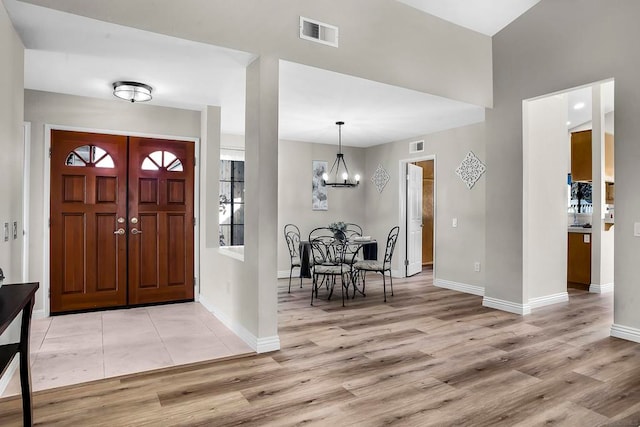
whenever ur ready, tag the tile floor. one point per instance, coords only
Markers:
(76, 348)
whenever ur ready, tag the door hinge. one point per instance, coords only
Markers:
(49, 152)
(194, 221)
(195, 161)
(406, 262)
(408, 177)
(49, 222)
(195, 282)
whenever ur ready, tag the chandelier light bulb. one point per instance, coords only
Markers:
(325, 176)
(357, 178)
(345, 176)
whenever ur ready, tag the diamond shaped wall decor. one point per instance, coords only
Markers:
(470, 169)
(380, 178)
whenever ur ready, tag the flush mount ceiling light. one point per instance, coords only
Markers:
(339, 171)
(132, 91)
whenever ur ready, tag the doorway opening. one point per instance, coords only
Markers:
(121, 221)
(417, 213)
(568, 193)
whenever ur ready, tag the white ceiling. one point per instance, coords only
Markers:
(312, 100)
(579, 116)
(484, 16)
(75, 55)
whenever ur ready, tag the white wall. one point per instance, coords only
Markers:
(602, 242)
(558, 45)
(457, 249)
(381, 40)
(294, 191)
(42, 108)
(11, 147)
(544, 196)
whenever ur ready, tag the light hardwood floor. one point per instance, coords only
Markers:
(429, 356)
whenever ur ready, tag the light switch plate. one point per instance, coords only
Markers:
(6, 232)
(454, 222)
(636, 229)
(586, 238)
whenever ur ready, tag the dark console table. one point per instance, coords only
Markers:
(13, 300)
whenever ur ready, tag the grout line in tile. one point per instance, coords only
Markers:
(164, 345)
(104, 364)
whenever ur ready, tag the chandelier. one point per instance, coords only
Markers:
(339, 171)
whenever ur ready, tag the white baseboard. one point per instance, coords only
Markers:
(625, 332)
(8, 374)
(268, 344)
(259, 345)
(284, 274)
(511, 307)
(460, 287)
(38, 314)
(538, 302)
(601, 289)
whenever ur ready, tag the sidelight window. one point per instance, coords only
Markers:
(231, 209)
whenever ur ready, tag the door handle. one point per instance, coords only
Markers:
(136, 231)
(119, 231)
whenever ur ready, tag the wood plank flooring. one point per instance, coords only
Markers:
(428, 357)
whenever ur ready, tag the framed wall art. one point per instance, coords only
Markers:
(319, 200)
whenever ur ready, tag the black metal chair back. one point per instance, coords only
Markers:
(391, 244)
(327, 246)
(327, 256)
(352, 230)
(293, 244)
(292, 238)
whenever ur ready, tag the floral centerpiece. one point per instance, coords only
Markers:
(338, 229)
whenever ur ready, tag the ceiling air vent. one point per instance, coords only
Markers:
(318, 32)
(416, 147)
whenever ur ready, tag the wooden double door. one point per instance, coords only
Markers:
(122, 221)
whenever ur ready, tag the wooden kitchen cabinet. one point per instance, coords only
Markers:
(581, 156)
(581, 169)
(608, 158)
(579, 260)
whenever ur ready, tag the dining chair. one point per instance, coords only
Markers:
(292, 237)
(327, 256)
(380, 266)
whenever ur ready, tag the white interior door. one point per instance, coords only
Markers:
(414, 219)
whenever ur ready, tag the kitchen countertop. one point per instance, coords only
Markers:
(579, 229)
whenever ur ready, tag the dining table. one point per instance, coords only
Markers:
(369, 252)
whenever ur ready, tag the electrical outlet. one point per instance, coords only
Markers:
(454, 222)
(6, 231)
(476, 266)
(15, 230)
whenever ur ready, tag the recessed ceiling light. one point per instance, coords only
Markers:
(568, 123)
(578, 106)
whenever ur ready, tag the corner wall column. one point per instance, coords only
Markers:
(261, 193)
